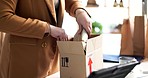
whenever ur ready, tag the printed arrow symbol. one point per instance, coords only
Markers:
(90, 65)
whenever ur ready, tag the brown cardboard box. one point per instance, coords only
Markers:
(77, 63)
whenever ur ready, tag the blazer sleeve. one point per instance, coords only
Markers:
(16, 25)
(72, 5)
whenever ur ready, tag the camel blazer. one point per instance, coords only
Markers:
(26, 52)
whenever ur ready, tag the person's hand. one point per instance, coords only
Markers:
(58, 33)
(84, 21)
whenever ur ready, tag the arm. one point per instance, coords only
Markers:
(16, 25)
(72, 5)
(76, 9)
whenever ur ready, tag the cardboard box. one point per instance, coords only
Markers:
(77, 63)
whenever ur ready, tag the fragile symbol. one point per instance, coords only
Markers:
(65, 61)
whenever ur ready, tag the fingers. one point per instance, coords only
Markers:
(84, 21)
(87, 27)
(63, 37)
(58, 33)
(67, 38)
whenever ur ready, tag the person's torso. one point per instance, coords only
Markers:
(37, 9)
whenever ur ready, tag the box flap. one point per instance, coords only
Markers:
(73, 47)
(94, 43)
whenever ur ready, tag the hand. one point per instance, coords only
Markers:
(84, 21)
(58, 33)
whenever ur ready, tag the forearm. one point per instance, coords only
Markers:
(72, 6)
(19, 26)
(78, 11)
(83, 19)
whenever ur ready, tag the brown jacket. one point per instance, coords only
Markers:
(26, 52)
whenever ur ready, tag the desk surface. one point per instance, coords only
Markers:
(140, 71)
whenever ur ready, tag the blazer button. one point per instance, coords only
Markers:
(44, 44)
